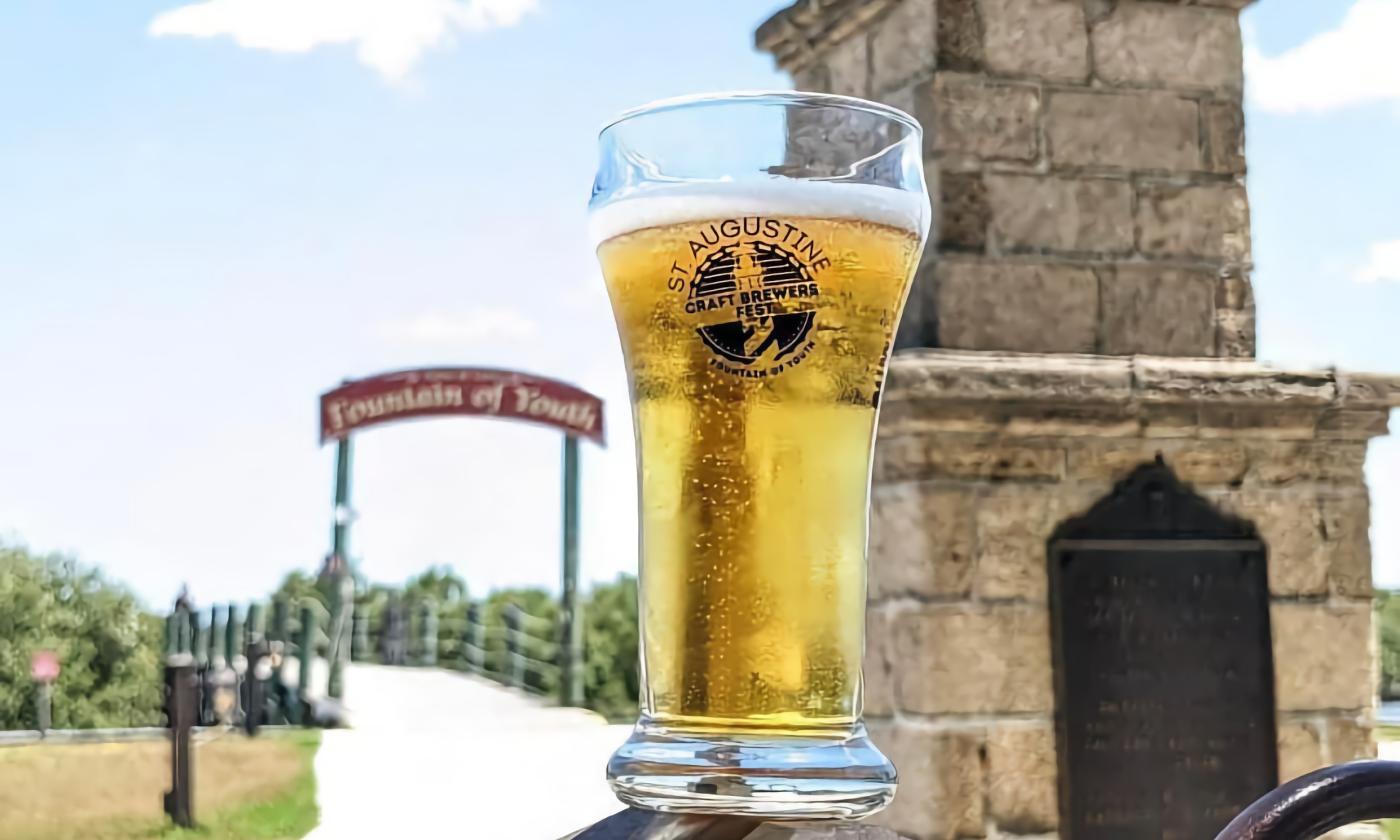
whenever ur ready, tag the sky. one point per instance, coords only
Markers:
(211, 212)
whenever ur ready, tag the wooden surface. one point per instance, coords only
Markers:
(634, 824)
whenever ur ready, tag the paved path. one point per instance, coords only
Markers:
(434, 754)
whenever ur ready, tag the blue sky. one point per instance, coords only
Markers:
(209, 213)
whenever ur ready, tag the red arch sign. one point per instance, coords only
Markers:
(471, 392)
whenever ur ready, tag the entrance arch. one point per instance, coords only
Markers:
(421, 393)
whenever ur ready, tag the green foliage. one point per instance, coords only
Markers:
(1388, 617)
(612, 674)
(108, 647)
(438, 584)
(298, 586)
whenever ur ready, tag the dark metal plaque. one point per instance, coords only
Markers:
(1164, 668)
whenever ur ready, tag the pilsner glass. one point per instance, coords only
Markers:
(757, 249)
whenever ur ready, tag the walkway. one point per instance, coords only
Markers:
(434, 754)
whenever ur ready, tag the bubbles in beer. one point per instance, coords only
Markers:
(755, 453)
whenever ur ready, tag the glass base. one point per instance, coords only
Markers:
(767, 776)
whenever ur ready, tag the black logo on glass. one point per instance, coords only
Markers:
(770, 293)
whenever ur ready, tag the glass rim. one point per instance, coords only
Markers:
(774, 96)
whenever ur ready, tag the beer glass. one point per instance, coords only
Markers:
(757, 249)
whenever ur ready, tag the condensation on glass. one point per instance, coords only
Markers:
(758, 250)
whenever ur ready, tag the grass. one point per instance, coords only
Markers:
(245, 789)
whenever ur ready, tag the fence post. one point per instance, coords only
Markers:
(513, 645)
(200, 641)
(277, 632)
(306, 650)
(179, 709)
(359, 642)
(428, 634)
(475, 640)
(233, 629)
(253, 630)
(217, 636)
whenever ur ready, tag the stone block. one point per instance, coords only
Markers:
(1021, 778)
(966, 659)
(1342, 425)
(1044, 39)
(941, 784)
(915, 458)
(963, 212)
(1025, 307)
(812, 77)
(921, 541)
(986, 121)
(1224, 131)
(1174, 46)
(1350, 738)
(1205, 221)
(1322, 656)
(1342, 462)
(1235, 333)
(1200, 463)
(1290, 523)
(1346, 523)
(904, 45)
(1013, 525)
(1060, 214)
(959, 36)
(878, 668)
(1299, 750)
(1152, 130)
(1230, 382)
(1158, 310)
(848, 66)
(1258, 421)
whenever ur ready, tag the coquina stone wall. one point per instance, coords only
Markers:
(1085, 158)
(981, 457)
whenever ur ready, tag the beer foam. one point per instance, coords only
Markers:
(669, 204)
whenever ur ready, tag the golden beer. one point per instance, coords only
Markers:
(755, 456)
(758, 249)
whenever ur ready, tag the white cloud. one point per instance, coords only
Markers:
(479, 325)
(389, 35)
(1353, 64)
(1382, 263)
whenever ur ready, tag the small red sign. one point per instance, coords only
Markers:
(436, 392)
(43, 666)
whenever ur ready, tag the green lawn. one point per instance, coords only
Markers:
(261, 788)
(288, 815)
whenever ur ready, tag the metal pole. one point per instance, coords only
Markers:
(44, 701)
(253, 629)
(338, 650)
(359, 643)
(517, 663)
(306, 650)
(476, 640)
(179, 709)
(428, 626)
(570, 621)
(232, 632)
(280, 619)
(217, 637)
(343, 592)
(340, 530)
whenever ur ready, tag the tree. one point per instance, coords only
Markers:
(612, 673)
(110, 648)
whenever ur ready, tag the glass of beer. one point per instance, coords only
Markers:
(757, 249)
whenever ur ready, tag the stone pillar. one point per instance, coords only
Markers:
(1085, 157)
